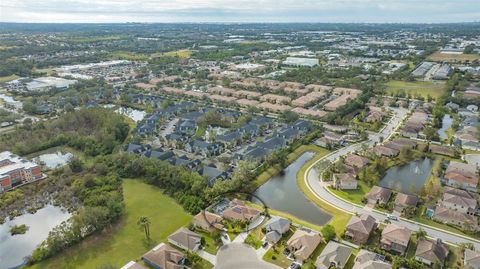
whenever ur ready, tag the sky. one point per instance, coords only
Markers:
(376, 11)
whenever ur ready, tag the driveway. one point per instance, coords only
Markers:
(319, 189)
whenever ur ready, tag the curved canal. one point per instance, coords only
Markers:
(282, 193)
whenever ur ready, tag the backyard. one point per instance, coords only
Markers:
(125, 241)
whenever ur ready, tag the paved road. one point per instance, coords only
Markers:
(319, 189)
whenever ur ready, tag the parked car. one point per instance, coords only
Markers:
(392, 217)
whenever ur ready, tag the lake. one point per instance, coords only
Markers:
(447, 122)
(134, 114)
(408, 178)
(14, 248)
(10, 100)
(281, 193)
(54, 160)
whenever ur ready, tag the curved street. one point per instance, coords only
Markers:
(319, 188)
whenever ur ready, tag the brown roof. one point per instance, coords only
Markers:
(165, 256)
(398, 234)
(431, 250)
(185, 238)
(442, 150)
(403, 199)
(206, 219)
(239, 211)
(459, 197)
(303, 243)
(363, 224)
(446, 214)
(379, 193)
(472, 258)
(356, 160)
(462, 178)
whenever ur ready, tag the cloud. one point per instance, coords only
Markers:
(239, 10)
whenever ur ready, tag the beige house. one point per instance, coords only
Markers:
(359, 228)
(345, 181)
(238, 211)
(395, 238)
(370, 260)
(404, 200)
(208, 221)
(164, 256)
(333, 255)
(471, 259)
(303, 243)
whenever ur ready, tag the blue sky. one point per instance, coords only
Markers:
(429, 11)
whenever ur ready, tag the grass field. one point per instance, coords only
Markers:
(416, 88)
(127, 55)
(8, 78)
(448, 57)
(177, 53)
(126, 241)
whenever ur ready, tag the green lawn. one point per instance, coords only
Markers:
(125, 241)
(255, 237)
(416, 88)
(210, 245)
(339, 218)
(354, 196)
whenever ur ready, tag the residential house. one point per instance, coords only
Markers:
(359, 228)
(462, 175)
(345, 181)
(213, 174)
(303, 243)
(208, 221)
(385, 151)
(471, 259)
(431, 252)
(378, 195)
(163, 257)
(356, 161)
(275, 228)
(334, 255)
(395, 238)
(370, 260)
(442, 150)
(185, 239)
(238, 211)
(457, 207)
(204, 148)
(404, 200)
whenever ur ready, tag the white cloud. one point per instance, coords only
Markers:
(239, 10)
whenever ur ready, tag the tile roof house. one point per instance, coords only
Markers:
(275, 228)
(370, 260)
(404, 200)
(385, 151)
(395, 238)
(185, 239)
(359, 228)
(453, 217)
(238, 211)
(345, 181)
(208, 221)
(378, 195)
(462, 175)
(471, 259)
(333, 255)
(459, 200)
(164, 257)
(431, 251)
(303, 243)
(356, 161)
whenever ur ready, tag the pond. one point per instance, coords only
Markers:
(13, 249)
(134, 114)
(447, 122)
(10, 100)
(281, 193)
(408, 178)
(54, 160)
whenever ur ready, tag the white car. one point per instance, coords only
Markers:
(392, 217)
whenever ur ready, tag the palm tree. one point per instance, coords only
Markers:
(421, 233)
(144, 222)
